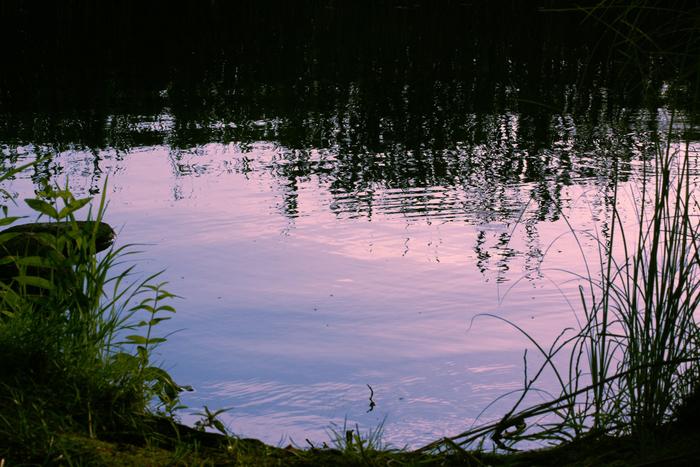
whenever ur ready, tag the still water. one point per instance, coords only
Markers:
(295, 298)
(340, 197)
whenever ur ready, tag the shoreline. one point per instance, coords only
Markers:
(171, 443)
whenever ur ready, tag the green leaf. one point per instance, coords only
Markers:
(164, 383)
(34, 282)
(4, 237)
(10, 297)
(162, 295)
(166, 308)
(8, 260)
(219, 426)
(73, 206)
(126, 360)
(147, 308)
(42, 207)
(155, 321)
(8, 220)
(36, 261)
(135, 339)
(11, 172)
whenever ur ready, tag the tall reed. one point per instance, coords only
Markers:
(640, 311)
(77, 334)
(635, 356)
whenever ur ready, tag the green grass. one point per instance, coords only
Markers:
(77, 338)
(631, 369)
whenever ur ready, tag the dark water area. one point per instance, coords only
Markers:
(251, 60)
(401, 92)
(339, 187)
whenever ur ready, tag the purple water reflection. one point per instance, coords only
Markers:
(286, 318)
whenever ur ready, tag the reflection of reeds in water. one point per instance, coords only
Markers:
(634, 358)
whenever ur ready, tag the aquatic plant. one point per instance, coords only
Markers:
(634, 358)
(364, 448)
(77, 333)
(631, 366)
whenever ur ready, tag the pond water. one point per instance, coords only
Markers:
(329, 229)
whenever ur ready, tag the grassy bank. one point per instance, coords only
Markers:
(76, 335)
(633, 360)
(172, 444)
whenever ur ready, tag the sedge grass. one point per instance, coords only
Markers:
(634, 359)
(77, 337)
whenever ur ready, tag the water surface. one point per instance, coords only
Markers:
(337, 220)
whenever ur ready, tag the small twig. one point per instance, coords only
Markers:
(372, 404)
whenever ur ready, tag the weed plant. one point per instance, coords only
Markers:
(77, 338)
(631, 368)
(634, 359)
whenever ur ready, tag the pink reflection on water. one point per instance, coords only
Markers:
(291, 308)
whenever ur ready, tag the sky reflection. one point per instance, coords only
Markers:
(286, 317)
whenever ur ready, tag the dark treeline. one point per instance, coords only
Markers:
(493, 103)
(403, 93)
(86, 55)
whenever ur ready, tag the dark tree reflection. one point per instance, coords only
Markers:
(448, 110)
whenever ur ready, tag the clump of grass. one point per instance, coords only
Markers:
(77, 338)
(641, 324)
(631, 368)
(634, 359)
(352, 441)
